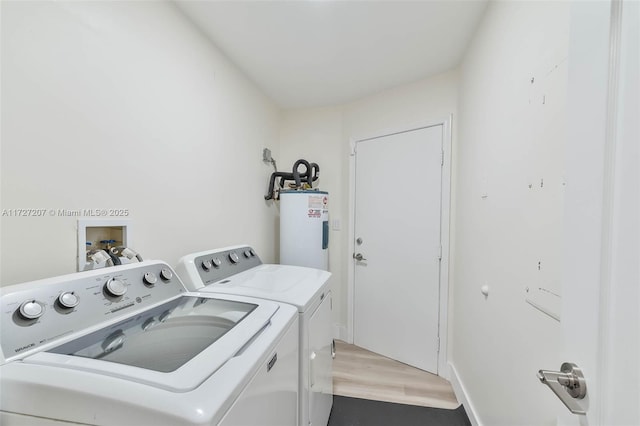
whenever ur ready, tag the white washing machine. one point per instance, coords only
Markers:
(129, 345)
(238, 270)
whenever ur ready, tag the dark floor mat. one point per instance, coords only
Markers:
(364, 412)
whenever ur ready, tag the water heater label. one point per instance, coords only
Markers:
(314, 213)
(317, 202)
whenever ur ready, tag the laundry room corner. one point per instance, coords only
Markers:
(324, 135)
(425, 102)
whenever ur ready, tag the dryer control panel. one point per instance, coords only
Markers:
(40, 313)
(219, 264)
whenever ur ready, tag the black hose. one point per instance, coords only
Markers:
(272, 181)
(315, 171)
(296, 173)
(309, 176)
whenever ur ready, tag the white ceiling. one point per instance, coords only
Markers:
(313, 53)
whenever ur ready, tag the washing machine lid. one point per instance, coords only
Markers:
(296, 285)
(175, 346)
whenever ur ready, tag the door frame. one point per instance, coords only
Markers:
(444, 231)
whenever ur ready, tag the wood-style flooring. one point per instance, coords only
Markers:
(362, 374)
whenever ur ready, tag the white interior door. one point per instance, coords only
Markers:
(600, 311)
(398, 180)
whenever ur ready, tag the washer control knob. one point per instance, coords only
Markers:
(31, 310)
(216, 262)
(166, 274)
(247, 254)
(253, 253)
(68, 300)
(113, 341)
(233, 257)
(164, 316)
(115, 287)
(150, 278)
(149, 323)
(206, 265)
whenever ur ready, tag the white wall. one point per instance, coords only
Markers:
(127, 105)
(509, 216)
(323, 135)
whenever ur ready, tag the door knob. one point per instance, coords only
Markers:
(568, 384)
(358, 257)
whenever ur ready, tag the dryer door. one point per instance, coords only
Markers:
(320, 364)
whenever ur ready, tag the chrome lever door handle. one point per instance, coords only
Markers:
(358, 257)
(568, 384)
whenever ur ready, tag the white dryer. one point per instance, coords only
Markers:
(129, 345)
(238, 270)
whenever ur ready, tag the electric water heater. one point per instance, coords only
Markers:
(304, 228)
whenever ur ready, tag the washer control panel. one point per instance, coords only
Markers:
(218, 265)
(41, 312)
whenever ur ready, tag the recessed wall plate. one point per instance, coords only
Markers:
(94, 231)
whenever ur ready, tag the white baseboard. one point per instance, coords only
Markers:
(461, 394)
(340, 333)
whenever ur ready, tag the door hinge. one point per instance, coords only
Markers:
(440, 252)
(442, 158)
(438, 345)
